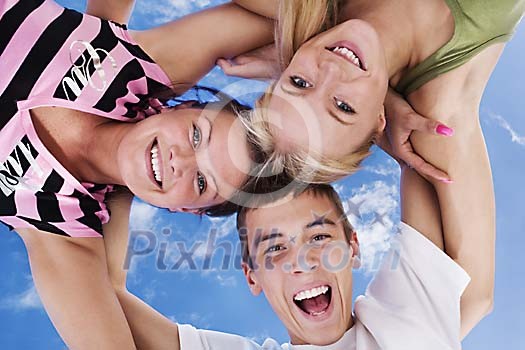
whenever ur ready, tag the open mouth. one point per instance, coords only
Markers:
(314, 302)
(156, 163)
(350, 53)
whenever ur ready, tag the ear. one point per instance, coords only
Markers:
(249, 274)
(382, 121)
(356, 253)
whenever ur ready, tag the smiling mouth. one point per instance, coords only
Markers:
(315, 301)
(348, 54)
(156, 163)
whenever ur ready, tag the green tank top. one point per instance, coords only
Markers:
(478, 24)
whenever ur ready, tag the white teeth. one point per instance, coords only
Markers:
(349, 54)
(312, 293)
(317, 313)
(155, 163)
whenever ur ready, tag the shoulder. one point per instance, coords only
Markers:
(415, 263)
(455, 96)
(198, 339)
(414, 299)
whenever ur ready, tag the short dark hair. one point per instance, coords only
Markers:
(317, 190)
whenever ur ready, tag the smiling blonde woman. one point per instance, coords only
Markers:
(319, 119)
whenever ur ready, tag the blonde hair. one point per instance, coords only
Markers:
(301, 20)
(303, 166)
(298, 22)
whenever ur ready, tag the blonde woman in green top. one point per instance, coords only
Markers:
(328, 105)
(438, 54)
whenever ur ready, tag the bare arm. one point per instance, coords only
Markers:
(420, 206)
(188, 48)
(467, 205)
(71, 277)
(266, 8)
(115, 10)
(151, 330)
(468, 214)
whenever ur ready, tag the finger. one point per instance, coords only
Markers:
(253, 70)
(243, 59)
(232, 70)
(424, 168)
(420, 123)
(223, 64)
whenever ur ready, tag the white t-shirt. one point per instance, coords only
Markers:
(413, 302)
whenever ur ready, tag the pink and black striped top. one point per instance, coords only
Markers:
(52, 56)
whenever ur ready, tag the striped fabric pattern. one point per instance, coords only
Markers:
(52, 56)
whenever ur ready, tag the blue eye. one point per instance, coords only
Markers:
(343, 106)
(196, 139)
(300, 83)
(201, 183)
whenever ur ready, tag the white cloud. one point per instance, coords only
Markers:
(166, 10)
(502, 122)
(149, 293)
(142, 215)
(226, 281)
(372, 211)
(26, 300)
(224, 226)
(194, 318)
(388, 168)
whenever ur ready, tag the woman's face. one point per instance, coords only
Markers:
(330, 98)
(185, 159)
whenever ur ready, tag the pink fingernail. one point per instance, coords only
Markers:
(444, 130)
(447, 181)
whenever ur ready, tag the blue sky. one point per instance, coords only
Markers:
(219, 299)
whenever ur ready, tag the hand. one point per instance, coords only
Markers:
(402, 120)
(261, 63)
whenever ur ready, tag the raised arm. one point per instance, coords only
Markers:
(188, 48)
(468, 214)
(467, 206)
(115, 10)
(150, 329)
(71, 278)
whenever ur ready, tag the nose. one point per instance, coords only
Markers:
(180, 161)
(306, 260)
(334, 70)
(329, 67)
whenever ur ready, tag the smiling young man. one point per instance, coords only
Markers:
(300, 252)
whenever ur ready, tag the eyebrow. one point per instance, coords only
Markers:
(330, 112)
(336, 117)
(320, 222)
(291, 92)
(208, 144)
(263, 238)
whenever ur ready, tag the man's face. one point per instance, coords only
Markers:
(303, 264)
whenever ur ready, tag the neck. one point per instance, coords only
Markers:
(394, 25)
(99, 160)
(294, 340)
